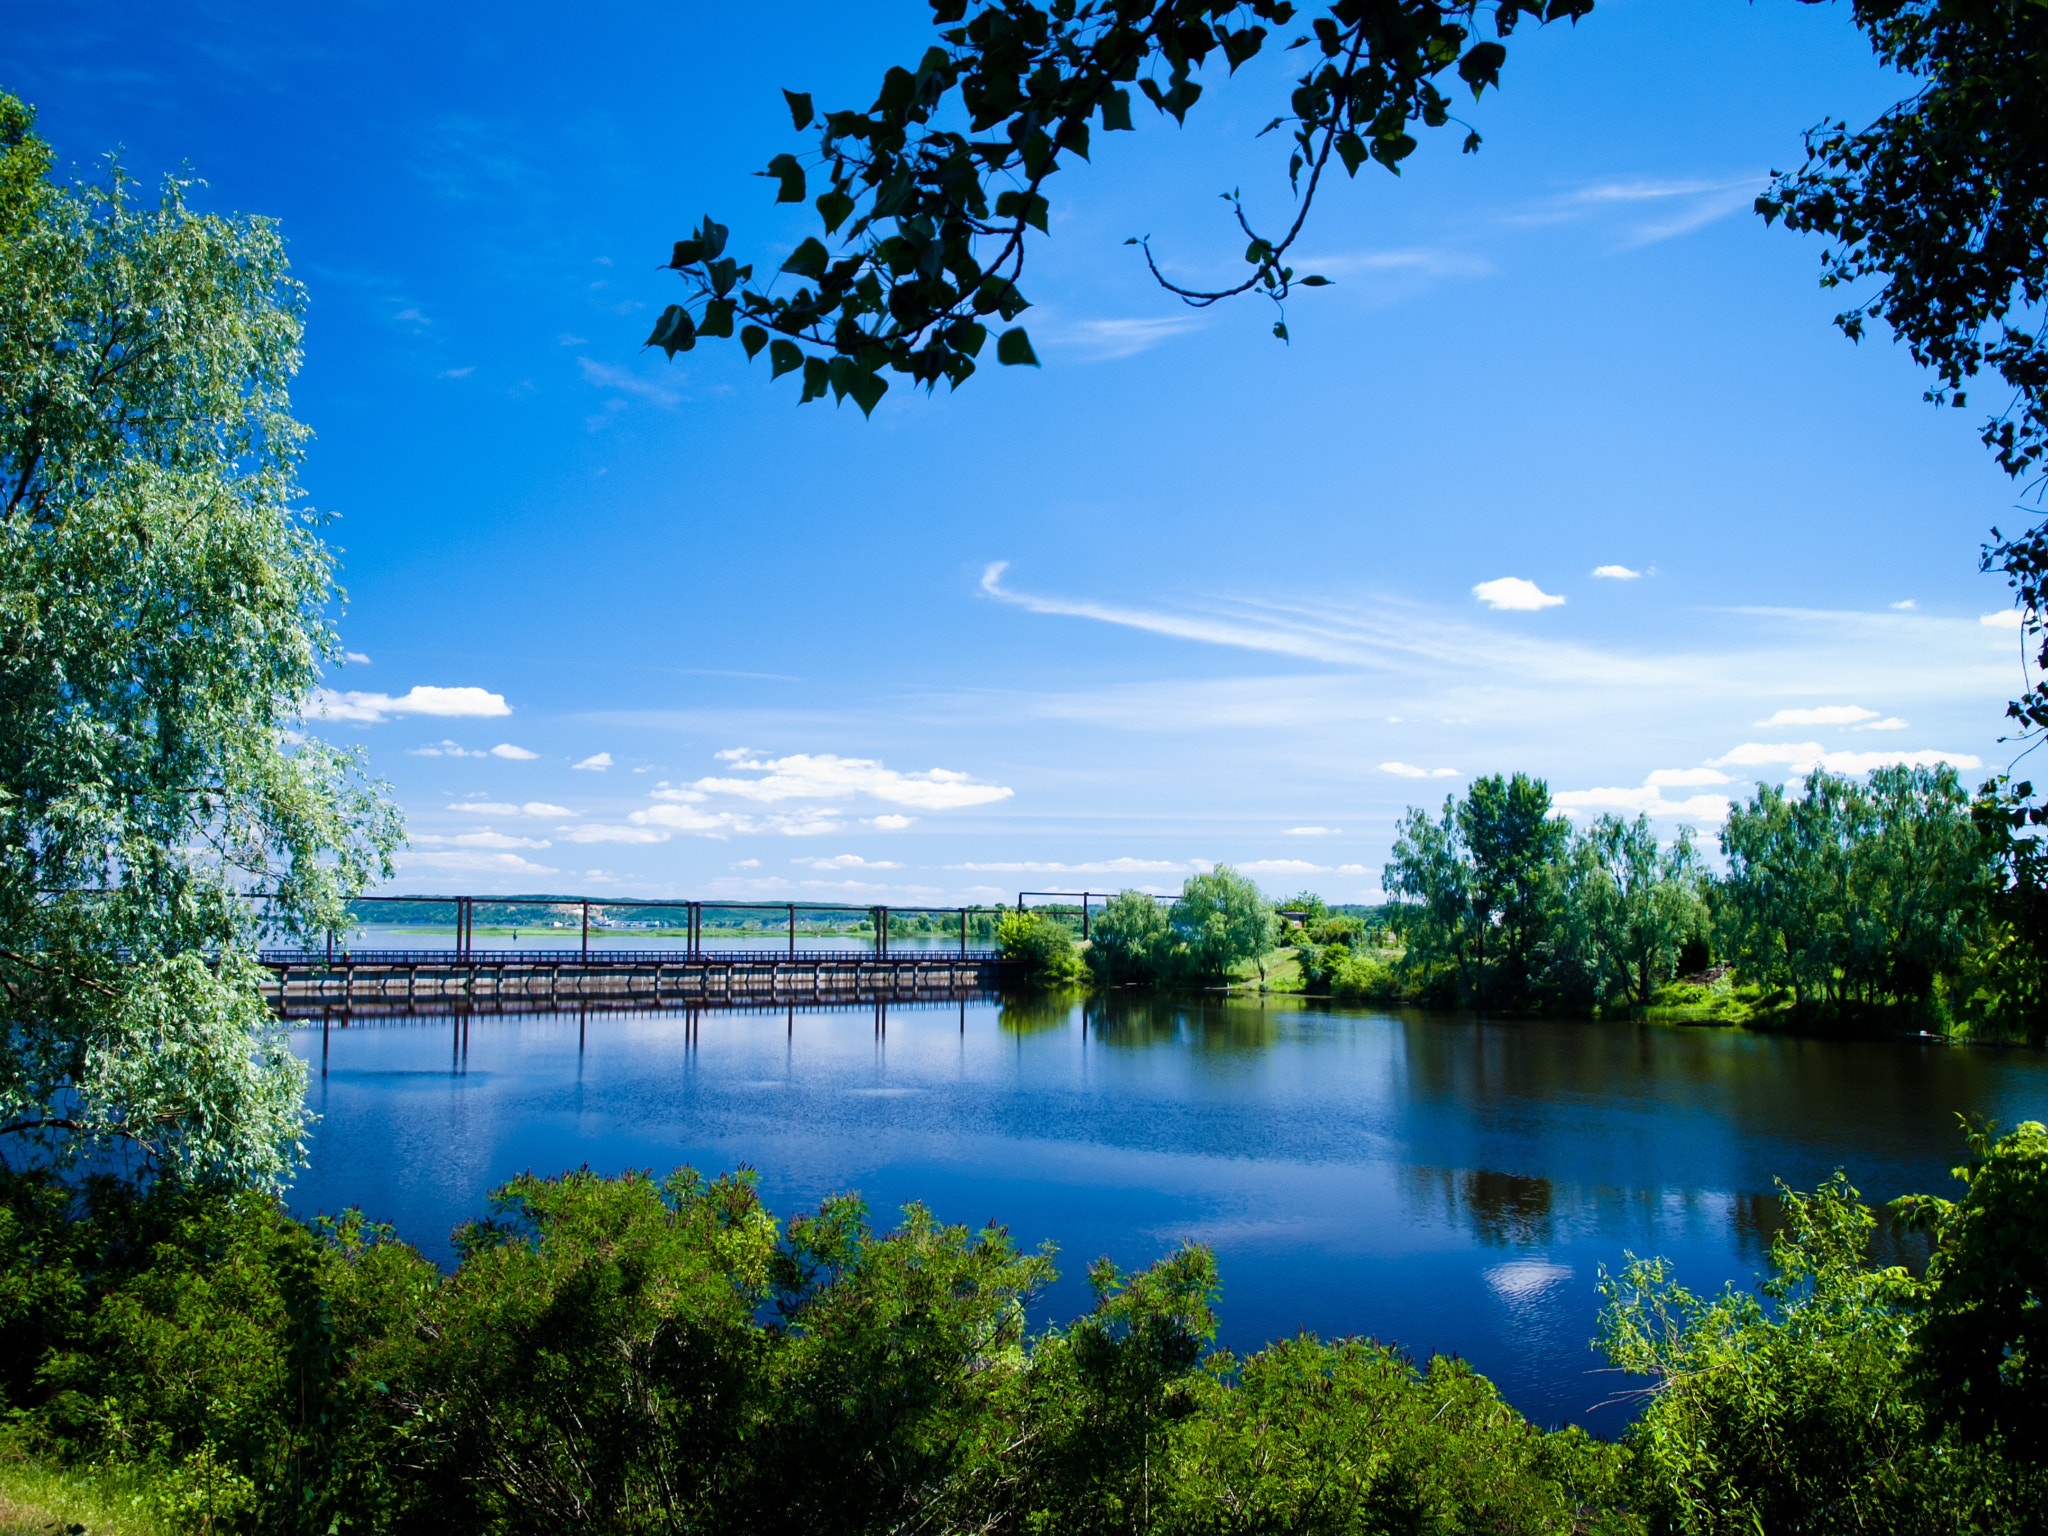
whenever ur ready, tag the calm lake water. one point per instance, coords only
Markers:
(1444, 1183)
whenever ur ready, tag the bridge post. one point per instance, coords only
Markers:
(586, 928)
(792, 933)
(1084, 915)
(963, 933)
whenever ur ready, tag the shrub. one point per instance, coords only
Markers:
(1359, 979)
(1042, 945)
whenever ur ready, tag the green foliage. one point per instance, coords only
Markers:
(24, 162)
(1219, 924)
(207, 1339)
(1898, 890)
(162, 595)
(1982, 1347)
(1222, 922)
(1630, 910)
(1944, 201)
(1480, 877)
(1855, 892)
(1785, 1410)
(623, 1354)
(1352, 1436)
(1041, 945)
(1131, 941)
(934, 223)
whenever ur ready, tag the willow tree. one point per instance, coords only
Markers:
(162, 600)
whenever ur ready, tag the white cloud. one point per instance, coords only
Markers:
(687, 818)
(847, 861)
(1280, 867)
(1313, 831)
(1615, 573)
(1803, 756)
(2005, 618)
(475, 863)
(441, 749)
(422, 700)
(517, 754)
(1512, 592)
(1826, 714)
(1410, 771)
(483, 837)
(542, 808)
(597, 832)
(357, 657)
(597, 762)
(1094, 867)
(1676, 778)
(1646, 799)
(1905, 604)
(822, 776)
(457, 373)
(485, 808)
(887, 822)
(1353, 869)
(1892, 724)
(747, 864)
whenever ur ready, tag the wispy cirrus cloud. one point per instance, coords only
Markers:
(624, 381)
(1108, 340)
(1650, 208)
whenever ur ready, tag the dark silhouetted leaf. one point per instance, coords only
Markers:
(799, 108)
(790, 174)
(1014, 347)
(808, 260)
(673, 332)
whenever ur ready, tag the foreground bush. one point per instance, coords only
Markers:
(622, 1354)
(632, 1355)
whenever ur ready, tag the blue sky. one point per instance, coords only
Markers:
(1183, 595)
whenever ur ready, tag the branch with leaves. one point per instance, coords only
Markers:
(933, 192)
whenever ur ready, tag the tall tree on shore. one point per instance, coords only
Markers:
(162, 594)
(1482, 875)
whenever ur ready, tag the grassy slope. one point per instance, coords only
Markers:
(37, 1500)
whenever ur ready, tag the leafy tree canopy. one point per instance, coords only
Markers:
(161, 602)
(932, 193)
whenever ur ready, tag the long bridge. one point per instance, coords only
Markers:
(698, 970)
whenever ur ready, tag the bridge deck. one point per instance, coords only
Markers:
(573, 974)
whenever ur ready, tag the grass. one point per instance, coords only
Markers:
(37, 1499)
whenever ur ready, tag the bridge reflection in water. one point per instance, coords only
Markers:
(456, 1013)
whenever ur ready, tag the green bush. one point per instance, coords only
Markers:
(1358, 978)
(1806, 1406)
(1042, 945)
(633, 1355)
